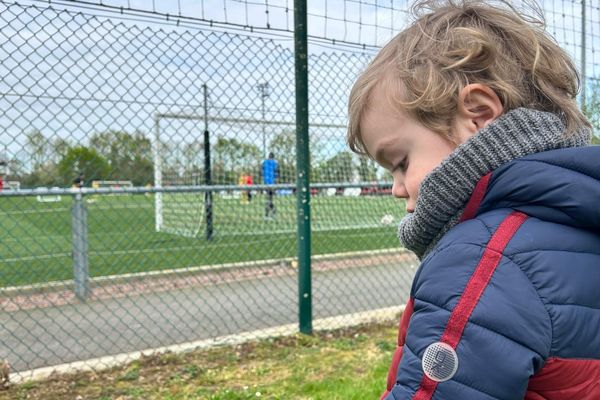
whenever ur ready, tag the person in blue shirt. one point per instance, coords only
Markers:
(270, 175)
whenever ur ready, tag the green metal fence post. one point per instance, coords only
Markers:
(302, 167)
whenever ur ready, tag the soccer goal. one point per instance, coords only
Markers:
(47, 198)
(12, 185)
(112, 185)
(182, 174)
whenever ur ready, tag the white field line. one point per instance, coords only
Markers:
(26, 212)
(133, 206)
(100, 363)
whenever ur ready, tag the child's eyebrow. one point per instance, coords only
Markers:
(380, 156)
(379, 153)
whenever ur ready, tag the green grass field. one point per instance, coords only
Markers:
(36, 242)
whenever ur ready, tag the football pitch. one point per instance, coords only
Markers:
(36, 237)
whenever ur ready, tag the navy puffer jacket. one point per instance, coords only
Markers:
(507, 305)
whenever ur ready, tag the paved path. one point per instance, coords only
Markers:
(42, 337)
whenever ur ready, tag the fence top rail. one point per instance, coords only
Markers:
(181, 189)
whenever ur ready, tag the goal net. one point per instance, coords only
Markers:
(178, 164)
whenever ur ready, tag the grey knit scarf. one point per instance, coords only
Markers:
(445, 191)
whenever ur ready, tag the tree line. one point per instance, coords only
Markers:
(119, 155)
(110, 155)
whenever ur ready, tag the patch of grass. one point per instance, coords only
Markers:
(349, 364)
(132, 373)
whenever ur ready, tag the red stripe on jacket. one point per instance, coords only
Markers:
(476, 198)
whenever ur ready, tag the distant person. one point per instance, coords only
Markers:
(3, 168)
(243, 193)
(78, 182)
(270, 175)
(249, 183)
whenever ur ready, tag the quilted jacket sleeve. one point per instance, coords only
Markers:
(496, 324)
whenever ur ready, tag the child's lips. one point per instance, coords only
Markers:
(410, 210)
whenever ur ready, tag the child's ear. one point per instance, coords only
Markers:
(478, 105)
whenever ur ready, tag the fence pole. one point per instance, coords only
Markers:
(208, 206)
(302, 167)
(79, 229)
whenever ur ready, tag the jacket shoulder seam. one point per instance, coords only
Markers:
(448, 245)
(544, 304)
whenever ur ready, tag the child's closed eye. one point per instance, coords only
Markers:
(402, 165)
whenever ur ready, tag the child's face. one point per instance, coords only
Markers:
(404, 147)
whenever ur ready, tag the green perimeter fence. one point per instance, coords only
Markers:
(141, 210)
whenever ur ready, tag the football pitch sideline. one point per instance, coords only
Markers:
(36, 237)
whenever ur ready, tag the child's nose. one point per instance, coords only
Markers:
(399, 190)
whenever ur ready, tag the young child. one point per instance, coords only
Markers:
(472, 110)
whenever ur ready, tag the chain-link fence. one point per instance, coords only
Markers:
(140, 207)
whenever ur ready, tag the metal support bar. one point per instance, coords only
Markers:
(182, 189)
(242, 120)
(303, 167)
(80, 248)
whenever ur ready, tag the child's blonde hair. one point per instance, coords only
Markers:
(454, 43)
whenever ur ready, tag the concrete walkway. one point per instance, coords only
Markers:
(72, 332)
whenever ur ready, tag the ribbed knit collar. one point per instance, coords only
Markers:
(445, 191)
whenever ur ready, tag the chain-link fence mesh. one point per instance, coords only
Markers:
(183, 233)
